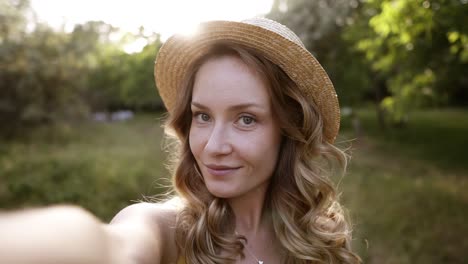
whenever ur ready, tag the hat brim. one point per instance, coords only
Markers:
(180, 51)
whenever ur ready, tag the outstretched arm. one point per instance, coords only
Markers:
(58, 234)
(71, 235)
(139, 234)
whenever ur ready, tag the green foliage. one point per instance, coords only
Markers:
(408, 92)
(458, 45)
(40, 80)
(49, 76)
(12, 20)
(320, 25)
(141, 75)
(125, 80)
(402, 54)
(418, 48)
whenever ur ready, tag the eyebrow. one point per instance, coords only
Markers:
(233, 107)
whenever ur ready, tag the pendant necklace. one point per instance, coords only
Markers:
(250, 252)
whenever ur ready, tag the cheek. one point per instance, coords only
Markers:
(261, 149)
(195, 142)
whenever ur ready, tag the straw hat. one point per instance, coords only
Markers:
(271, 39)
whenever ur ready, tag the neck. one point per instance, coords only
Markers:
(251, 218)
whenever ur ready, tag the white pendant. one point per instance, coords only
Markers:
(260, 262)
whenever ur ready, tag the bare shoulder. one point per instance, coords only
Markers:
(157, 213)
(146, 231)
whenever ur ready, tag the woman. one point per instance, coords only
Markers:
(255, 116)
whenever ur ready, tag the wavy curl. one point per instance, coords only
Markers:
(315, 229)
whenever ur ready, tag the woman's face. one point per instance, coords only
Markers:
(233, 135)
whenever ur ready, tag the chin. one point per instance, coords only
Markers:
(222, 191)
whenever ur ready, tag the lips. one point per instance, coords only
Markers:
(220, 170)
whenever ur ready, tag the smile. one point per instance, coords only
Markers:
(218, 170)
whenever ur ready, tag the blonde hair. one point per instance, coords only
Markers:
(312, 231)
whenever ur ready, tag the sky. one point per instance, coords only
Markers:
(161, 16)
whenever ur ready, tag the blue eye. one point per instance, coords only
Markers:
(201, 117)
(205, 117)
(247, 120)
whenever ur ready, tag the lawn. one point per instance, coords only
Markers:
(405, 190)
(101, 166)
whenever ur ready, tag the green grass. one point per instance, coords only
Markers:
(101, 166)
(405, 210)
(405, 189)
(437, 136)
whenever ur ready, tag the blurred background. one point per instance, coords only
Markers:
(80, 118)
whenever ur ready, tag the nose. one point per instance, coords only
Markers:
(219, 141)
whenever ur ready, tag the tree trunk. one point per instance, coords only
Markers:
(381, 91)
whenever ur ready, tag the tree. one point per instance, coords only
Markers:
(320, 24)
(418, 49)
(39, 78)
(44, 72)
(124, 80)
(403, 53)
(12, 19)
